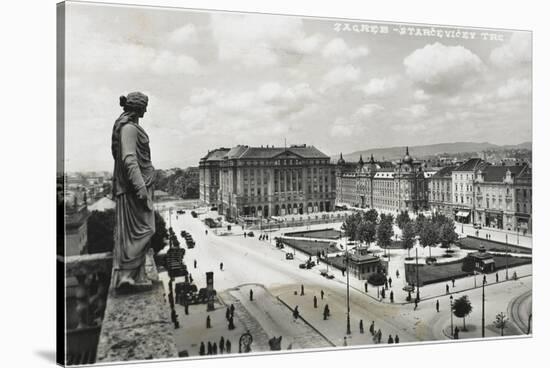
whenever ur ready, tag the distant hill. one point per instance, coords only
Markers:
(395, 153)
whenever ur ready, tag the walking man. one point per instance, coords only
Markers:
(437, 305)
(222, 345)
(397, 273)
(371, 328)
(302, 289)
(390, 340)
(389, 280)
(447, 289)
(391, 296)
(322, 294)
(496, 277)
(453, 281)
(221, 266)
(195, 263)
(396, 338)
(314, 301)
(208, 324)
(361, 329)
(415, 303)
(366, 286)
(251, 295)
(228, 346)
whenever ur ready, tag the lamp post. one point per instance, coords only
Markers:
(483, 308)
(506, 258)
(348, 325)
(417, 283)
(451, 302)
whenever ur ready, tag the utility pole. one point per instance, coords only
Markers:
(348, 325)
(417, 282)
(483, 309)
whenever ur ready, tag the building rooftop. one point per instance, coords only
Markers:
(498, 173)
(246, 152)
(102, 204)
(445, 172)
(470, 165)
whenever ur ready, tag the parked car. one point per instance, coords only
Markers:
(307, 264)
(250, 234)
(477, 226)
(183, 233)
(289, 256)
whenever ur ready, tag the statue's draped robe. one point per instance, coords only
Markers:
(135, 220)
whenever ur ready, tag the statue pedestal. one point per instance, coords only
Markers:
(137, 326)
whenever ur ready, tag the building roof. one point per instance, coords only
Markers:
(498, 173)
(102, 205)
(471, 165)
(215, 155)
(246, 152)
(445, 172)
(359, 258)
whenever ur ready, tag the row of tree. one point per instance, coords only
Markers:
(183, 183)
(101, 226)
(367, 227)
(437, 229)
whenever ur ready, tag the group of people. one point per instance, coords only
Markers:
(212, 348)
(229, 313)
(263, 237)
(377, 335)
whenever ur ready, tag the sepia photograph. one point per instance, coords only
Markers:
(233, 183)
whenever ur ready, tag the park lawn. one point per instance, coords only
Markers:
(471, 242)
(311, 247)
(429, 274)
(320, 234)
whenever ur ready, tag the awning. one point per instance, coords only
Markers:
(463, 213)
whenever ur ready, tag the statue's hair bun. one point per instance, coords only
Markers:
(123, 101)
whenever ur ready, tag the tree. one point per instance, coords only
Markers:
(447, 234)
(371, 216)
(408, 237)
(101, 225)
(350, 225)
(428, 235)
(402, 219)
(366, 232)
(384, 231)
(419, 223)
(500, 322)
(462, 308)
(158, 241)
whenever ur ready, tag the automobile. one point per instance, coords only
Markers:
(250, 234)
(289, 256)
(477, 226)
(183, 233)
(329, 276)
(307, 264)
(194, 214)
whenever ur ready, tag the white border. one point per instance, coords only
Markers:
(28, 180)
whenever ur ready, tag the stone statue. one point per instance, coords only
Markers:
(133, 178)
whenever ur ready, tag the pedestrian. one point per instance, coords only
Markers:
(202, 348)
(379, 335)
(208, 324)
(415, 303)
(456, 333)
(205, 232)
(371, 328)
(195, 263)
(391, 296)
(453, 281)
(190, 278)
(484, 279)
(361, 329)
(345, 341)
(389, 281)
(251, 295)
(221, 266)
(302, 289)
(295, 312)
(222, 345)
(343, 272)
(231, 325)
(232, 308)
(186, 307)
(209, 349)
(326, 312)
(366, 286)
(496, 277)
(396, 338)
(383, 293)
(447, 289)
(322, 294)
(314, 301)
(386, 284)
(437, 305)
(390, 340)
(244, 234)
(397, 273)
(228, 346)
(214, 348)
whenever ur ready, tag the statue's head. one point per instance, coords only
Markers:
(135, 102)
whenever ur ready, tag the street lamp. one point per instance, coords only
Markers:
(483, 307)
(451, 302)
(348, 326)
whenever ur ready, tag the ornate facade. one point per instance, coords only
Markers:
(273, 181)
(209, 175)
(389, 188)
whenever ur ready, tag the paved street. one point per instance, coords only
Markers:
(250, 264)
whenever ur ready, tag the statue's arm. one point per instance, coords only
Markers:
(128, 138)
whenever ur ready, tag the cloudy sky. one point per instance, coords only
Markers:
(221, 79)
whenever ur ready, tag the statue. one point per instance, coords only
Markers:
(133, 178)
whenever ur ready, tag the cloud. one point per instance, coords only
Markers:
(380, 87)
(514, 88)
(341, 128)
(340, 75)
(366, 111)
(166, 63)
(183, 35)
(420, 95)
(440, 67)
(337, 50)
(516, 52)
(260, 40)
(416, 110)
